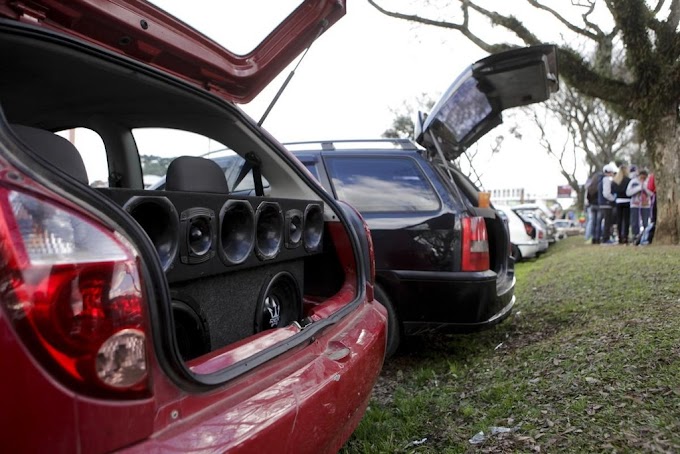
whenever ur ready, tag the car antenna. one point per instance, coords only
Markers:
(324, 25)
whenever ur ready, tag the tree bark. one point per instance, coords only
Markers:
(666, 158)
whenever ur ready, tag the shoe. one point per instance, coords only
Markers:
(589, 241)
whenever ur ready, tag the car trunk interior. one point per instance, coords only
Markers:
(218, 300)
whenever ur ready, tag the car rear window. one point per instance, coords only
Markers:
(382, 184)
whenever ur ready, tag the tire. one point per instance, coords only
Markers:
(393, 325)
(516, 253)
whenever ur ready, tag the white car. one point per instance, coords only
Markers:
(523, 235)
(535, 211)
(566, 227)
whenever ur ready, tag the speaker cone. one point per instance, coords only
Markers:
(159, 219)
(269, 230)
(237, 231)
(313, 227)
(279, 304)
(293, 228)
(198, 233)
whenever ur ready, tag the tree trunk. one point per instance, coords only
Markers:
(667, 175)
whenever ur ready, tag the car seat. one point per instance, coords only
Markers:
(194, 174)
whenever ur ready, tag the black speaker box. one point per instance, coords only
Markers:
(235, 265)
(202, 234)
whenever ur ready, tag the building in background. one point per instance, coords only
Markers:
(556, 202)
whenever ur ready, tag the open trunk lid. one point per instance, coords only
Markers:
(472, 105)
(148, 34)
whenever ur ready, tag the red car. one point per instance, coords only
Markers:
(195, 318)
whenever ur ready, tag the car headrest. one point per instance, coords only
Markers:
(193, 174)
(54, 149)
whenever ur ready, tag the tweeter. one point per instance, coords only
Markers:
(198, 235)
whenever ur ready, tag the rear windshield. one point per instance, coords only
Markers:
(373, 184)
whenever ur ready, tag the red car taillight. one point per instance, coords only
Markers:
(72, 290)
(531, 231)
(475, 245)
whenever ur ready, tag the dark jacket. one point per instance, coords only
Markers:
(620, 190)
(592, 185)
(604, 196)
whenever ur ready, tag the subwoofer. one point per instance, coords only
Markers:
(191, 327)
(234, 303)
(279, 303)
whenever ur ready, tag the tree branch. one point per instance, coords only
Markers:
(659, 6)
(633, 16)
(509, 22)
(579, 74)
(463, 28)
(674, 15)
(569, 25)
(590, 24)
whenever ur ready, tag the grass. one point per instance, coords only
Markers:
(588, 362)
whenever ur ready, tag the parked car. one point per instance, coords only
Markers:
(192, 319)
(567, 227)
(442, 262)
(523, 235)
(541, 231)
(534, 211)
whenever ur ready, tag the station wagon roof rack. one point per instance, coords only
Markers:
(353, 144)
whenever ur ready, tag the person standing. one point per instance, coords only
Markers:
(619, 186)
(651, 185)
(592, 205)
(640, 202)
(605, 199)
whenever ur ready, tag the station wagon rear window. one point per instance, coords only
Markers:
(382, 184)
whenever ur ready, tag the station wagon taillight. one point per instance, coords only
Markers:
(72, 291)
(475, 245)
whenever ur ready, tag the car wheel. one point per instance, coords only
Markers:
(393, 329)
(516, 253)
